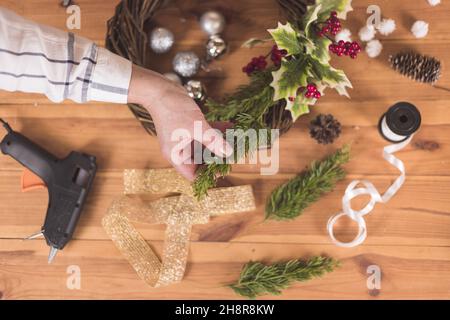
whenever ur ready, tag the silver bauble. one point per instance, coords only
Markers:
(196, 90)
(212, 22)
(186, 63)
(173, 77)
(161, 40)
(215, 47)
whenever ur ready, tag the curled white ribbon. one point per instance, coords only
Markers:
(375, 197)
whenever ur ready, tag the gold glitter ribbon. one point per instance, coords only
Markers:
(179, 213)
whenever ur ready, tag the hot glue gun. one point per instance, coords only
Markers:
(68, 181)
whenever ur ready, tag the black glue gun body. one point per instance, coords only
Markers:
(68, 182)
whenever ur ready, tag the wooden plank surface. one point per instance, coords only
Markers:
(409, 238)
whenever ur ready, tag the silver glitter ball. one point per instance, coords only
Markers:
(196, 90)
(173, 77)
(215, 47)
(161, 40)
(186, 63)
(212, 22)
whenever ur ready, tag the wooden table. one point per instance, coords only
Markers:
(409, 238)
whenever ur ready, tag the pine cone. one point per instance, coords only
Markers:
(325, 129)
(418, 67)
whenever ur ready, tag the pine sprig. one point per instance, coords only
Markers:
(290, 199)
(258, 279)
(246, 108)
(250, 99)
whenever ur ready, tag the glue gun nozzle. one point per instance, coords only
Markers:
(35, 235)
(52, 254)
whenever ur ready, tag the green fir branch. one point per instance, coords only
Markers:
(258, 279)
(290, 199)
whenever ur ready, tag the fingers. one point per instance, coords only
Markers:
(214, 141)
(187, 170)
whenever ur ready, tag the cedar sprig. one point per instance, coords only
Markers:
(290, 199)
(258, 279)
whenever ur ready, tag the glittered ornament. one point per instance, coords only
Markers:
(196, 90)
(215, 47)
(212, 22)
(161, 40)
(173, 77)
(186, 63)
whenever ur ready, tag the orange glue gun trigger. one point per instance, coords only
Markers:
(31, 181)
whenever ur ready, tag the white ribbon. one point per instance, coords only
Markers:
(369, 189)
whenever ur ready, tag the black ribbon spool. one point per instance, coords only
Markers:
(401, 121)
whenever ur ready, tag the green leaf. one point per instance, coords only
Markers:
(311, 16)
(252, 42)
(291, 75)
(321, 51)
(286, 38)
(342, 7)
(334, 78)
(299, 106)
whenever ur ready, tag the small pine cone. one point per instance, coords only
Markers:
(418, 67)
(325, 129)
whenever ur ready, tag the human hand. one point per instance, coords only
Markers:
(172, 111)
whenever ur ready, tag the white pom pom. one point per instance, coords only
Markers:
(386, 27)
(420, 29)
(344, 35)
(373, 48)
(434, 2)
(367, 33)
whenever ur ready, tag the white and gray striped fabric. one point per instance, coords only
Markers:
(40, 59)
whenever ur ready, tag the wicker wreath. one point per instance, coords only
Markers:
(128, 37)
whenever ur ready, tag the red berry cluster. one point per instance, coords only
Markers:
(345, 48)
(332, 25)
(311, 92)
(256, 64)
(276, 55)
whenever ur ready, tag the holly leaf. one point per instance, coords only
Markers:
(291, 75)
(334, 78)
(299, 106)
(286, 38)
(252, 42)
(342, 7)
(321, 49)
(311, 16)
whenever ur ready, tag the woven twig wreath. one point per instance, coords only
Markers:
(128, 37)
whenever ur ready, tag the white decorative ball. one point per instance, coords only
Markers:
(344, 35)
(434, 2)
(367, 33)
(374, 48)
(212, 22)
(420, 29)
(173, 77)
(386, 27)
(186, 63)
(161, 40)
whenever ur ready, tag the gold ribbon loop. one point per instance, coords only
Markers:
(179, 213)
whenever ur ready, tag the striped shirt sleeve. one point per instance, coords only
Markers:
(40, 59)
